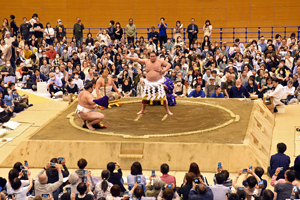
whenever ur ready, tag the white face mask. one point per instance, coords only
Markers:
(40, 50)
(57, 71)
(8, 65)
(179, 40)
(76, 76)
(9, 92)
(65, 51)
(246, 62)
(72, 83)
(57, 56)
(281, 72)
(257, 57)
(206, 50)
(44, 56)
(224, 60)
(102, 43)
(90, 44)
(234, 48)
(267, 60)
(53, 79)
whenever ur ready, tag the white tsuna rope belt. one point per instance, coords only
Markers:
(153, 86)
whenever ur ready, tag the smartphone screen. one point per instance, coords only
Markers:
(68, 190)
(52, 164)
(138, 179)
(26, 163)
(45, 195)
(196, 180)
(260, 183)
(295, 189)
(9, 196)
(170, 186)
(250, 167)
(60, 159)
(244, 170)
(240, 188)
(219, 165)
(86, 171)
(84, 179)
(153, 173)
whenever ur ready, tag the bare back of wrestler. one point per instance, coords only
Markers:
(154, 72)
(110, 82)
(85, 100)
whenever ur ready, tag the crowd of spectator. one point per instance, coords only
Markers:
(55, 181)
(200, 69)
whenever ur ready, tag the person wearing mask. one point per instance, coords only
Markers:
(60, 30)
(192, 31)
(78, 31)
(111, 30)
(78, 82)
(37, 77)
(54, 85)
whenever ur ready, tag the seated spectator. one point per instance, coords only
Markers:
(228, 181)
(219, 190)
(154, 190)
(252, 181)
(218, 93)
(7, 70)
(284, 190)
(115, 192)
(45, 68)
(19, 190)
(136, 170)
(185, 188)
(277, 95)
(210, 87)
(89, 76)
(201, 191)
(168, 179)
(238, 91)
(13, 174)
(41, 184)
(8, 101)
(297, 167)
(72, 89)
(179, 88)
(73, 180)
(37, 77)
(54, 85)
(259, 172)
(27, 52)
(51, 53)
(78, 82)
(139, 88)
(52, 174)
(268, 195)
(20, 100)
(290, 91)
(126, 88)
(279, 160)
(84, 192)
(252, 86)
(168, 194)
(228, 84)
(281, 180)
(102, 188)
(115, 178)
(198, 92)
(195, 169)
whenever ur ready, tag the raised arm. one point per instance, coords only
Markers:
(141, 61)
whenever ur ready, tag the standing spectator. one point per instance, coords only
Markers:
(284, 191)
(279, 160)
(38, 31)
(111, 30)
(49, 34)
(13, 26)
(78, 31)
(60, 30)
(162, 26)
(8, 40)
(118, 31)
(130, 30)
(154, 36)
(207, 29)
(168, 179)
(5, 27)
(10, 53)
(178, 30)
(25, 29)
(192, 31)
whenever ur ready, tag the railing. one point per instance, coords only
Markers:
(219, 34)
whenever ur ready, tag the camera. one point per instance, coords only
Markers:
(298, 129)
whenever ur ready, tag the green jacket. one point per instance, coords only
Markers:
(78, 30)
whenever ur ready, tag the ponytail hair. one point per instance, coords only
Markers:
(105, 176)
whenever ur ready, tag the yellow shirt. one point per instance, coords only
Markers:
(27, 54)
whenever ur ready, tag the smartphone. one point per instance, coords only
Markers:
(138, 179)
(45, 195)
(153, 173)
(68, 190)
(60, 159)
(84, 179)
(244, 170)
(281, 168)
(260, 183)
(26, 163)
(170, 186)
(196, 180)
(295, 189)
(240, 188)
(250, 167)
(9, 196)
(24, 171)
(219, 165)
(22, 167)
(52, 164)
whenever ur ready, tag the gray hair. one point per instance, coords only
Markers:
(157, 183)
(73, 178)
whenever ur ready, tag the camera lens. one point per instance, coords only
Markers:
(298, 129)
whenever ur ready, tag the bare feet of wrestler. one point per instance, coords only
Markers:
(169, 113)
(83, 122)
(90, 127)
(141, 112)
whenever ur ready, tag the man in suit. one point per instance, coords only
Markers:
(192, 30)
(279, 160)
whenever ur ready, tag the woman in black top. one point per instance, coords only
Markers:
(119, 31)
(252, 86)
(89, 39)
(126, 88)
(205, 42)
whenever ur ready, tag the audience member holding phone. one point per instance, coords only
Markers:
(73, 182)
(259, 172)
(228, 181)
(116, 177)
(219, 190)
(287, 190)
(168, 193)
(136, 173)
(195, 169)
(187, 185)
(102, 188)
(200, 191)
(274, 180)
(154, 190)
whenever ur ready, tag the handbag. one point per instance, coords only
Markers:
(5, 116)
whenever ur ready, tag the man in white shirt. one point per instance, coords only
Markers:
(78, 82)
(277, 94)
(290, 91)
(219, 190)
(20, 191)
